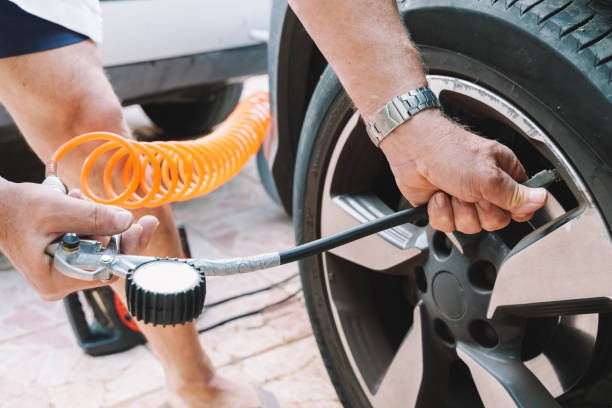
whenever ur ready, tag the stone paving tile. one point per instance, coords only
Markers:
(15, 394)
(144, 375)
(224, 287)
(305, 388)
(83, 394)
(256, 334)
(48, 363)
(27, 312)
(150, 400)
(41, 365)
(294, 375)
(280, 362)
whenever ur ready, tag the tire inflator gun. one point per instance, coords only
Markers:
(168, 291)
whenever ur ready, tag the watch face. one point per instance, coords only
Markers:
(166, 276)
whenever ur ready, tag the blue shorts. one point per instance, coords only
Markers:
(24, 33)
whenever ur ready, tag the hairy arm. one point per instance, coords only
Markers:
(367, 45)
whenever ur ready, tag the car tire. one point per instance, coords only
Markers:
(187, 119)
(525, 52)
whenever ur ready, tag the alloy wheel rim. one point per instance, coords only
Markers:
(480, 346)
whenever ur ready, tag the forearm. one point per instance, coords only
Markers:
(365, 43)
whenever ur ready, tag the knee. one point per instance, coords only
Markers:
(93, 111)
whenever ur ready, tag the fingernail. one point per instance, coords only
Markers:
(440, 201)
(123, 219)
(537, 195)
(152, 218)
(75, 193)
(534, 200)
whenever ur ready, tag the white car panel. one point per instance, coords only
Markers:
(145, 30)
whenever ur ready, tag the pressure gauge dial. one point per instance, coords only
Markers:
(165, 292)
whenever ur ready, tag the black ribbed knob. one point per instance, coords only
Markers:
(165, 292)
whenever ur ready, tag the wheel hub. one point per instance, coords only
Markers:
(449, 295)
(461, 273)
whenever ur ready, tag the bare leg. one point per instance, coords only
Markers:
(58, 94)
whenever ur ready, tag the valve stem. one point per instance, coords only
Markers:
(544, 179)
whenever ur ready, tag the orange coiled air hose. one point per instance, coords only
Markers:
(155, 173)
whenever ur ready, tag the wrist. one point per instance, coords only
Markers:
(419, 134)
(392, 88)
(425, 123)
(399, 110)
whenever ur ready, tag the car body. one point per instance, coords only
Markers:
(157, 49)
(294, 67)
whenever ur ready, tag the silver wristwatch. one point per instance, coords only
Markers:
(398, 110)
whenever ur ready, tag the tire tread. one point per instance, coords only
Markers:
(583, 28)
(525, 5)
(603, 50)
(548, 10)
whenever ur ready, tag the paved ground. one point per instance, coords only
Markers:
(40, 364)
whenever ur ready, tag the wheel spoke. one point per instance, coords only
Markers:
(339, 212)
(557, 369)
(437, 359)
(418, 374)
(400, 384)
(504, 382)
(561, 268)
(378, 252)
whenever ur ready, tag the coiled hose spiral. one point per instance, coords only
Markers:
(156, 173)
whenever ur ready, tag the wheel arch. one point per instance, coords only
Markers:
(295, 65)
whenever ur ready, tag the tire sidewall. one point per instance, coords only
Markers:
(315, 149)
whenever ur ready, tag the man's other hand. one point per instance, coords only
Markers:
(470, 183)
(34, 215)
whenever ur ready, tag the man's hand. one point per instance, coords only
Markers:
(34, 215)
(469, 182)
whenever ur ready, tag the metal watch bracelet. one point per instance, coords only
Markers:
(398, 110)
